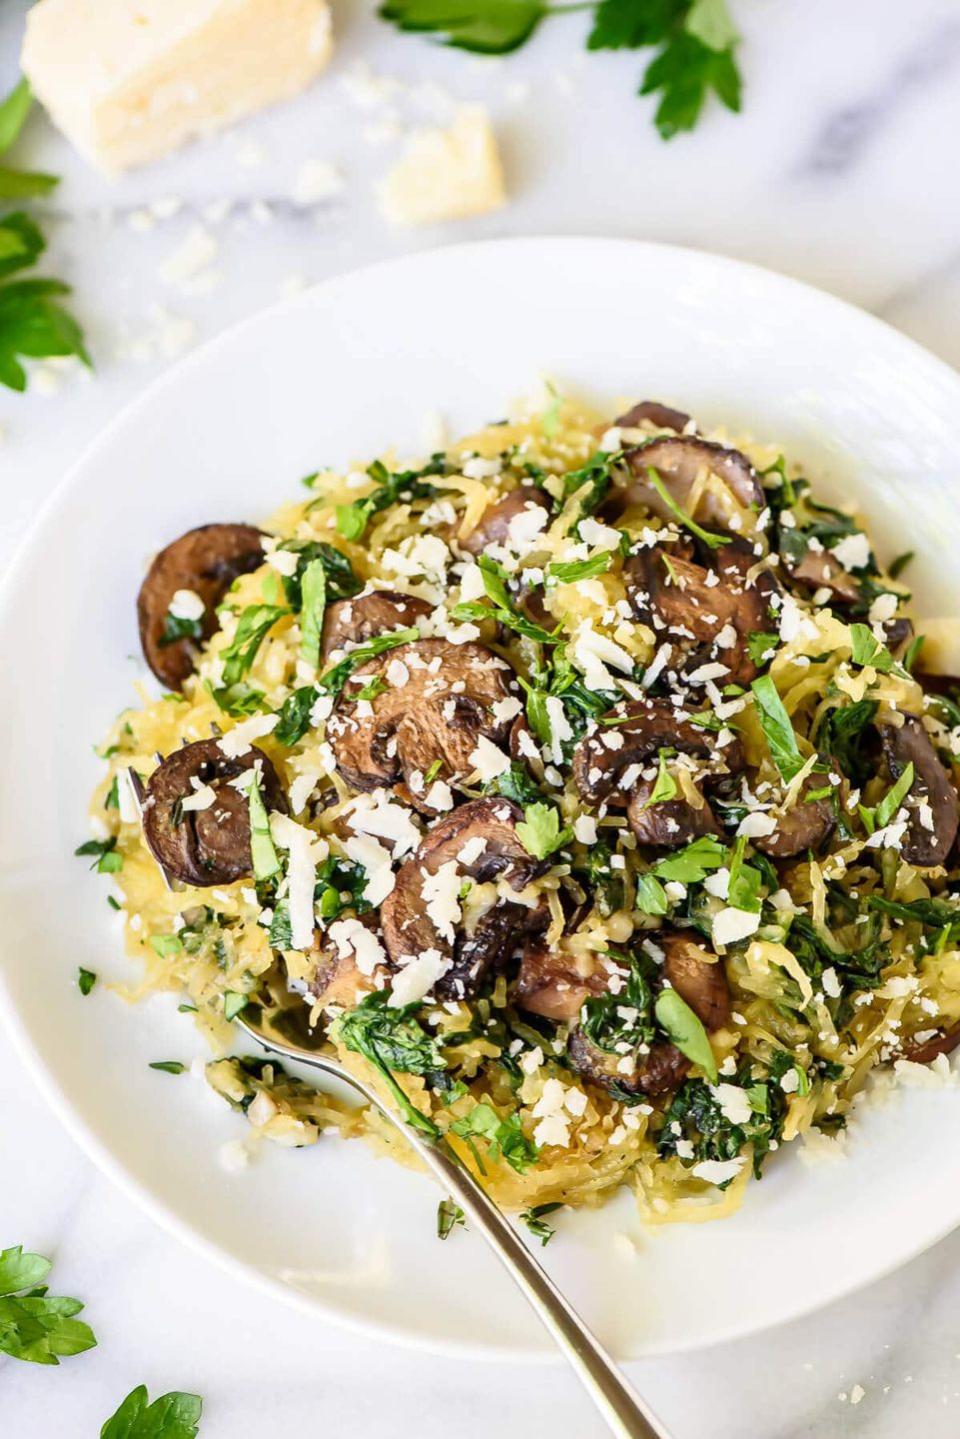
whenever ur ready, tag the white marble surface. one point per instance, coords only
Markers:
(841, 171)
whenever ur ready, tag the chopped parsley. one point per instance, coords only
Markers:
(539, 831)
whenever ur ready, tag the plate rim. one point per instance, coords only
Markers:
(54, 1094)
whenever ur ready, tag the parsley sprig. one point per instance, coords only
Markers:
(694, 42)
(33, 323)
(35, 1325)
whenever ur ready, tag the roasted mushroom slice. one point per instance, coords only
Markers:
(820, 570)
(670, 822)
(806, 826)
(654, 413)
(435, 720)
(361, 618)
(925, 1051)
(932, 826)
(700, 979)
(662, 1069)
(477, 841)
(202, 564)
(732, 483)
(702, 614)
(551, 984)
(349, 963)
(195, 819)
(495, 522)
(608, 767)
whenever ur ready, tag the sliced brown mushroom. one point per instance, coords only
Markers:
(494, 525)
(338, 979)
(654, 413)
(679, 462)
(436, 718)
(693, 607)
(807, 826)
(924, 844)
(924, 1052)
(820, 570)
(608, 765)
(206, 561)
(209, 845)
(662, 1069)
(700, 979)
(550, 983)
(377, 613)
(477, 841)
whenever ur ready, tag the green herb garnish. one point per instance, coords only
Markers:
(34, 1325)
(171, 1416)
(777, 729)
(539, 831)
(686, 1031)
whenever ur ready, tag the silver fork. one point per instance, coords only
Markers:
(625, 1413)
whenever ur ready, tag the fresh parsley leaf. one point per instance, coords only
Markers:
(627, 25)
(665, 786)
(14, 110)
(865, 649)
(743, 889)
(266, 862)
(341, 582)
(514, 783)
(352, 520)
(314, 602)
(86, 979)
(487, 27)
(510, 618)
(21, 243)
(539, 831)
(568, 573)
(842, 734)
(239, 700)
(760, 645)
(34, 325)
(175, 628)
(686, 71)
(894, 797)
(694, 862)
(34, 1325)
(254, 624)
(106, 858)
(505, 1137)
(686, 1031)
(651, 895)
(171, 1416)
(295, 715)
(168, 1066)
(449, 1215)
(777, 729)
(898, 565)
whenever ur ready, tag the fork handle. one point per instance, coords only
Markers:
(625, 1413)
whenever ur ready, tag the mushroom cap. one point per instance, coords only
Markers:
(438, 714)
(203, 847)
(698, 977)
(206, 560)
(679, 462)
(549, 983)
(409, 928)
(909, 743)
(808, 825)
(601, 761)
(674, 596)
(654, 413)
(669, 823)
(944, 1042)
(352, 621)
(820, 570)
(494, 524)
(659, 1071)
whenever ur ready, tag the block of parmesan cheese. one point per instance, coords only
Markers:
(447, 174)
(127, 80)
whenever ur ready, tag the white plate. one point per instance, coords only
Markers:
(332, 376)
